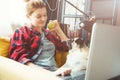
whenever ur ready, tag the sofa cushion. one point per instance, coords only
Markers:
(4, 46)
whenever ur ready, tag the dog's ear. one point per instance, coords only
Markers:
(80, 43)
(77, 41)
(88, 26)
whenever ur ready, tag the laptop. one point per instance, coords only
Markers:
(104, 54)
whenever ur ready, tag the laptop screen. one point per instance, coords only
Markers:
(104, 54)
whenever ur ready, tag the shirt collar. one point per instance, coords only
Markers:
(34, 29)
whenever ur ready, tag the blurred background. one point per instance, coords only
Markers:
(70, 13)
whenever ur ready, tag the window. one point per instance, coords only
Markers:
(71, 15)
(73, 11)
(11, 11)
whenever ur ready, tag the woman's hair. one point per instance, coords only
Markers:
(32, 5)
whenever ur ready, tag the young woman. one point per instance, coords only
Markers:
(34, 40)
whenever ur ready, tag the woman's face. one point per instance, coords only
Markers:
(38, 18)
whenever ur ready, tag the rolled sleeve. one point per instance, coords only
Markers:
(23, 46)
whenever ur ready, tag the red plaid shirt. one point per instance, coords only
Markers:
(26, 41)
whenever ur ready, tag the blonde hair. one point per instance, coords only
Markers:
(32, 5)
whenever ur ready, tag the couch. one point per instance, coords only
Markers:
(12, 70)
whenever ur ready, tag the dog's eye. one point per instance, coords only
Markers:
(77, 41)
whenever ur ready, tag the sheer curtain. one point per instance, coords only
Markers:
(17, 11)
(11, 11)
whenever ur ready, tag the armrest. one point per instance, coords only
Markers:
(12, 70)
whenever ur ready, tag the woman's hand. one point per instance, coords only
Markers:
(53, 26)
(63, 71)
(57, 29)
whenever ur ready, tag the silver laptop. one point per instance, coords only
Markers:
(104, 55)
